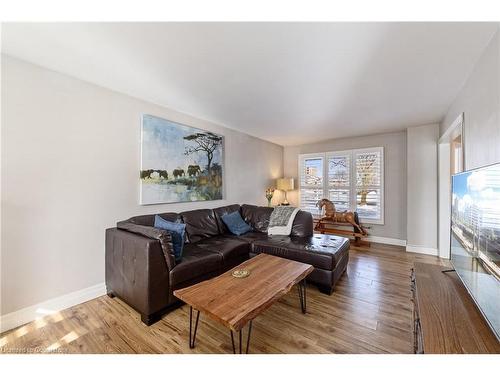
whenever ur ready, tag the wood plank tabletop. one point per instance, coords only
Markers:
(451, 322)
(234, 302)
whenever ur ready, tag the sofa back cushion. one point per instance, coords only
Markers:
(207, 223)
(303, 224)
(256, 216)
(221, 211)
(200, 224)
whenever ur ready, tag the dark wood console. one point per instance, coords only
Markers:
(446, 320)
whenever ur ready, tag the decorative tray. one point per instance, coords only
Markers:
(240, 273)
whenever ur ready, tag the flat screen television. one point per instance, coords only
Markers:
(475, 238)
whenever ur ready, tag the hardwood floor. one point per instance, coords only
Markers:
(369, 312)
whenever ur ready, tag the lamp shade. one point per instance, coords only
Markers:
(284, 184)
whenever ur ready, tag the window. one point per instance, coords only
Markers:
(352, 180)
(311, 181)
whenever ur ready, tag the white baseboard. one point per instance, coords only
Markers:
(28, 314)
(422, 250)
(386, 240)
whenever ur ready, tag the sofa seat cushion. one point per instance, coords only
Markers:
(320, 250)
(249, 237)
(195, 263)
(227, 247)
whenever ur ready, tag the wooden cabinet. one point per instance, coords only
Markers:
(417, 328)
(446, 320)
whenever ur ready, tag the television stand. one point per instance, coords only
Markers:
(446, 319)
(446, 271)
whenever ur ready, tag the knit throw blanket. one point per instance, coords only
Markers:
(281, 220)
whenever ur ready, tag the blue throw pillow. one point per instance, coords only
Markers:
(235, 223)
(176, 230)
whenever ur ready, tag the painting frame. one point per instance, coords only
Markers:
(179, 163)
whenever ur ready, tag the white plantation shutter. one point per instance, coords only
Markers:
(339, 181)
(311, 181)
(369, 177)
(309, 198)
(353, 180)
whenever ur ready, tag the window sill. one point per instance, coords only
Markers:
(369, 221)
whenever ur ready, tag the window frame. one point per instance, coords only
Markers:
(352, 153)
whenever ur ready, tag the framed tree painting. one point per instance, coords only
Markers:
(179, 163)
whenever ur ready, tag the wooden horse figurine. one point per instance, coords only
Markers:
(331, 215)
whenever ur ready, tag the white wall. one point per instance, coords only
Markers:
(70, 167)
(422, 189)
(479, 99)
(395, 175)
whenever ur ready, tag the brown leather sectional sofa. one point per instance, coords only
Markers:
(141, 269)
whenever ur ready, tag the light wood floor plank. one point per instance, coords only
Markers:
(369, 312)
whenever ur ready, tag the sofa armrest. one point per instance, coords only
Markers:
(303, 225)
(136, 270)
(154, 233)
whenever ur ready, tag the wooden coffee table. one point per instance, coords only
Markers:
(234, 302)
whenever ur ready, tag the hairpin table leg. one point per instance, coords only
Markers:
(302, 295)
(193, 338)
(240, 339)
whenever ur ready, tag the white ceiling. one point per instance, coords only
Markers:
(289, 83)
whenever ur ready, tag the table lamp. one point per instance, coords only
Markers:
(285, 184)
